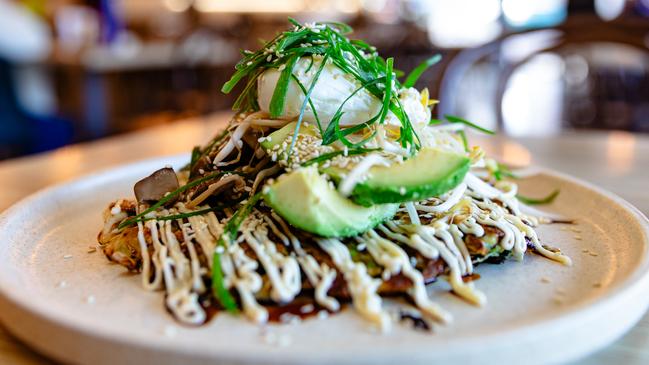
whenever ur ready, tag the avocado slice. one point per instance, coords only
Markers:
(307, 201)
(431, 172)
(280, 135)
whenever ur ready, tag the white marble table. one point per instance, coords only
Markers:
(616, 161)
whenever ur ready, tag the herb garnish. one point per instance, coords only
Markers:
(503, 170)
(328, 41)
(328, 156)
(167, 198)
(461, 133)
(419, 70)
(532, 201)
(229, 233)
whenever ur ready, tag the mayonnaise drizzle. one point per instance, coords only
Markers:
(174, 263)
(361, 286)
(359, 171)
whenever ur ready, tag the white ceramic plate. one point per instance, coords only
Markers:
(77, 307)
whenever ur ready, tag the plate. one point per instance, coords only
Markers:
(77, 307)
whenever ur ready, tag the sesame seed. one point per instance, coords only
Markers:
(67, 257)
(62, 284)
(307, 308)
(545, 279)
(90, 299)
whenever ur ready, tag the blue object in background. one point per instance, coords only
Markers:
(112, 23)
(22, 133)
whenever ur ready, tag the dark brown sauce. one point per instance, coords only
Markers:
(559, 221)
(415, 320)
(301, 307)
(472, 277)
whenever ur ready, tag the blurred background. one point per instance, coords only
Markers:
(78, 70)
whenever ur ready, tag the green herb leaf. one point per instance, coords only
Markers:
(315, 113)
(221, 293)
(230, 232)
(333, 132)
(503, 171)
(328, 156)
(414, 75)
(465, 141)
(197, 155)
(532, 201)
(172, 195)
(387, 94)
(174, 217)
(279, 95)
(454, 119)
(307, 98)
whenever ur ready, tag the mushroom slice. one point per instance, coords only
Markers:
(155, 186)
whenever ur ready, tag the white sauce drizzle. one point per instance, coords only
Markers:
(466, 209)
(363, 288)
(454, 198)
(359, 171)
(396, 261)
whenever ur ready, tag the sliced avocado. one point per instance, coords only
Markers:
(431, 172)
(307, 201)
(280, 135)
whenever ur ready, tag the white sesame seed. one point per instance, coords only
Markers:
(219, 250)
(62, 284)
(307, 308)
(67, 257)
(116, 209)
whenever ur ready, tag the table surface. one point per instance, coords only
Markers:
(617, 161)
